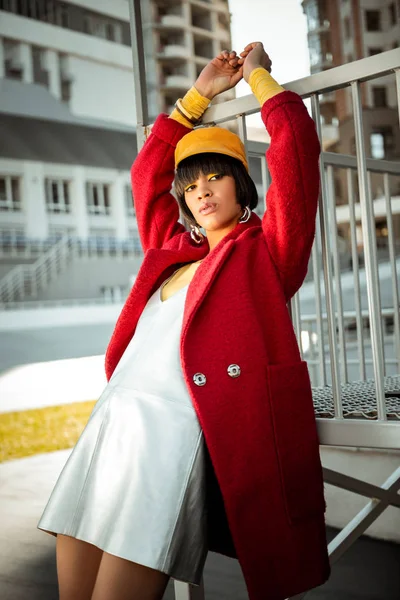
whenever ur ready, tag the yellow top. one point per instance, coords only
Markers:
(262, 84)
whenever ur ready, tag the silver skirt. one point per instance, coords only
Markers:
(134, 484)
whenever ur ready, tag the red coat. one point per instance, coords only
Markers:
(259, 427)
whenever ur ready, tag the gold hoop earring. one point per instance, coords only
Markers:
(246, 215)
(196, 234)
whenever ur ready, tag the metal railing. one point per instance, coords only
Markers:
(331, 330)
(331, 315)
(25, 281)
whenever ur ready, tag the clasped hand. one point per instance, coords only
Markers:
(226, 70)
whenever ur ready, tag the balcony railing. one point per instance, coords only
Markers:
(355, 352)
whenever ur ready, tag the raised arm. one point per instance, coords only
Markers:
(152, 173)
(292, 198)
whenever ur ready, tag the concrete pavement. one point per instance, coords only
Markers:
(370, 570)
(51, 366)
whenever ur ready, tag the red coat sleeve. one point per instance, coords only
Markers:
(152, 176)
(292, 198)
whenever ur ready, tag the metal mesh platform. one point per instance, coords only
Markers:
(359, 400)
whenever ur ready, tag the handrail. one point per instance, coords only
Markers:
(27, 280)
(361, 70)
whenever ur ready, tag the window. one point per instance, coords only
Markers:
(98, 198)
(382, 142)
(40, 72)
(392, 13)
(377, 145)
(10, 199)
(373, 51)
(70, 16)
(129, 206)
(347, 28)
(373, 19)
(57, 196)
(379, 95)
(102, 27)
(12, 64)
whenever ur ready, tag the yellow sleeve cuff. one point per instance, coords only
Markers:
(194, 104)
(263, 85)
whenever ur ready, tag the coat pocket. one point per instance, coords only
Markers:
(296, 440)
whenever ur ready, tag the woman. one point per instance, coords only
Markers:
(205, 437)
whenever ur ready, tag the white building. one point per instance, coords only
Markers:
(68, 116)
(67, 109)
(67, 105)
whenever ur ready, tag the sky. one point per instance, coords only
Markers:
(281, 26)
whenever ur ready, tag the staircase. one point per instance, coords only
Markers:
(25, 282)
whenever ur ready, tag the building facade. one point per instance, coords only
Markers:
(180, 38)
(67, 112)
(340, 32)
(68, 66)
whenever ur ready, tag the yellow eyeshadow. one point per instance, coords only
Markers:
(209, 177)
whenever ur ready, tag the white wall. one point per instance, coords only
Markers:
(64, 40)
(34, 219)
(101, 91)
(102, 74)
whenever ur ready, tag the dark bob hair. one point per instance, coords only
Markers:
(211, 162)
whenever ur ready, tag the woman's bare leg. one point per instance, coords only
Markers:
(125, 580)
(77, 567)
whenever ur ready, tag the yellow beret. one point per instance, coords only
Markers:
(210, 139)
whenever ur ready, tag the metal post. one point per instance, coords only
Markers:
(318, 302)
(296, 319)
(139, 72)
(330, 309)
(392, 258)
(397, 73)
(186, 591)
(336, 263)
(356, 275)
(243, 132)
(371, 271)
(266, 180)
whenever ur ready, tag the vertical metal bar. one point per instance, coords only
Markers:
(336, 265)
(266, 179)
(318, 303)
(397, 73)
(243, 132)
(376, 266)
(139, 72)
(186, 591)
(336, 390)
(356, 275)
(368, 225)
(295, 313)
(392, 259)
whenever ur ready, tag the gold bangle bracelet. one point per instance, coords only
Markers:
(185, 115)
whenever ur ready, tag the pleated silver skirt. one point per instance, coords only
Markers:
(134, 485)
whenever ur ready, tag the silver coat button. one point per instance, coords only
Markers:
(233, 370)
(199, 379)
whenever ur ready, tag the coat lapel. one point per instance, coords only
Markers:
(158, 264)
(203, 279)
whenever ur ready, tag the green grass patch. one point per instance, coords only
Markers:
(30, 432)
